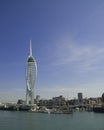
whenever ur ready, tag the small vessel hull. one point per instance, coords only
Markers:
(98, 109)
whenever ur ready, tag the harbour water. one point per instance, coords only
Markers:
(11, 120)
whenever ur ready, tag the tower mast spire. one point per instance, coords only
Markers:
(30, 48)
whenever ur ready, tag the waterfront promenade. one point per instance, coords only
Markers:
(57, 110)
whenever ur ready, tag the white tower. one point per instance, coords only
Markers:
(31, 73)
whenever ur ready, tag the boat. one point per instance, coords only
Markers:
(24, 108)
(98, 109)
(57, 111)
(67, 112)
(43, 110)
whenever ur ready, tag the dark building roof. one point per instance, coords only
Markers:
(103, 97)
(30, 59)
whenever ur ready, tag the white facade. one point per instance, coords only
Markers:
(31, 73)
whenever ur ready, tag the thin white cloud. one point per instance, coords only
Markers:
(81, 57)
(94, 91)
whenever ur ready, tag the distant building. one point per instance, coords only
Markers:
(59, 101)
(80, 98)
(38, 98)
(102, 98)
(20, 101)
(73, 102)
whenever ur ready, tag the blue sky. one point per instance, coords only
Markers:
(68, 45)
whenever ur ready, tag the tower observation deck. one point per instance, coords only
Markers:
(31, 73)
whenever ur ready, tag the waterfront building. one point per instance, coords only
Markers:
(102, 99)
(80, 98)
(31, 73)
(20, 101)
(59, 101)
(38, 98)
(73, 101)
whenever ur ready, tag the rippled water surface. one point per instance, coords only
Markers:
(38, 121)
